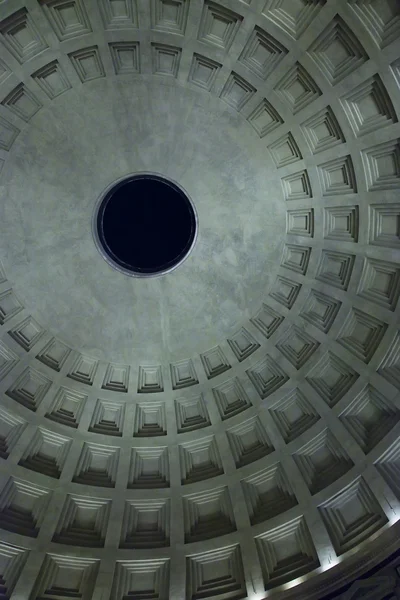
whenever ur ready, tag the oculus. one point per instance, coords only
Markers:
(145, 225)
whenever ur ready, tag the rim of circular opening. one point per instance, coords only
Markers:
(101, 204)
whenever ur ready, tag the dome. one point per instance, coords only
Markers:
(225, 424)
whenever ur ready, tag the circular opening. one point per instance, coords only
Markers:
(145, 225)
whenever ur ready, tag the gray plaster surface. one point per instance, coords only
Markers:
(105, 130)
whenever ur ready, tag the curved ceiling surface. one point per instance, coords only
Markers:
(230, 429)
(145, 126)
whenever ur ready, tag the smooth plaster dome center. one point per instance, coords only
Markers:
(106, 131)
(145, 225)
